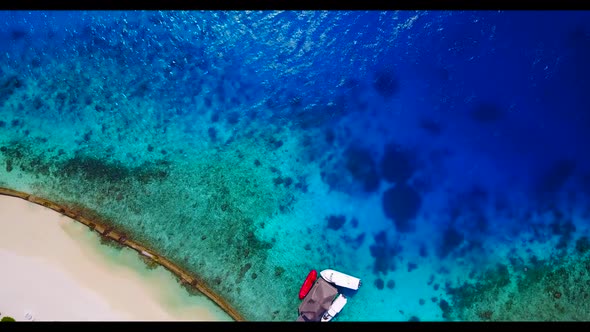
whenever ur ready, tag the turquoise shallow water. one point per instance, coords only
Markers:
(363, 142)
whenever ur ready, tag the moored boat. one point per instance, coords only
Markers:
(335, 308)
(321, 297)
(308, 283)
(341, 279)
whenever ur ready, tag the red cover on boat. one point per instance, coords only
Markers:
(311, 277)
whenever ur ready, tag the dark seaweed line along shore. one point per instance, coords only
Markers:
(108, 232)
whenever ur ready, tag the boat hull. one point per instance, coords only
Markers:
(308, 283)
(341, 279)
(335, 308)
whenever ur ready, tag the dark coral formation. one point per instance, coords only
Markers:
(361, 166)
(354, 242)
(556, 176)
(491, 282)
(284, 181)
(485, 314)
(423, 251)
(468, 222)
(401, 204)
(244, 269)
(335, 222)
(212, 133)
(391, 284)
(431, 127)
(95, 169)
(396, 164)
(451, 239)
(386, 83)
(583, 245)
(8, 86)
(330, 136)
(486, 113)
(233, 118)
(302, 184)
(379, 283)
(565, 230)
(552, 290)
(384, 254)
(446, 309)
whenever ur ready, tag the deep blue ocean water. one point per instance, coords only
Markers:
(439, 156)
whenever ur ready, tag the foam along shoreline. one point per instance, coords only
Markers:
(55, 269)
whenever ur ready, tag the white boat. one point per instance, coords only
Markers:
(335, 308)
(341, 279)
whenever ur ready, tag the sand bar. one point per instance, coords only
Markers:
(56, 269)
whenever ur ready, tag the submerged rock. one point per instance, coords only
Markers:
(8, 86)
(362, 167)
(486, 113)
(451, 240)
(336, 222)
(556, 176)
(386, 83)
(384, 254)
(583, 245)
(431, 127)
(396, 164)
(401, 204)
(391, 284)
(379, 283)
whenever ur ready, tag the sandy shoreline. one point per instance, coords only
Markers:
(56, 269)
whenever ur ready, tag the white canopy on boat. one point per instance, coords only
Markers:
(335, 308)
(341, 279)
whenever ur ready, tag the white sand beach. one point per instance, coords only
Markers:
(55, 269)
